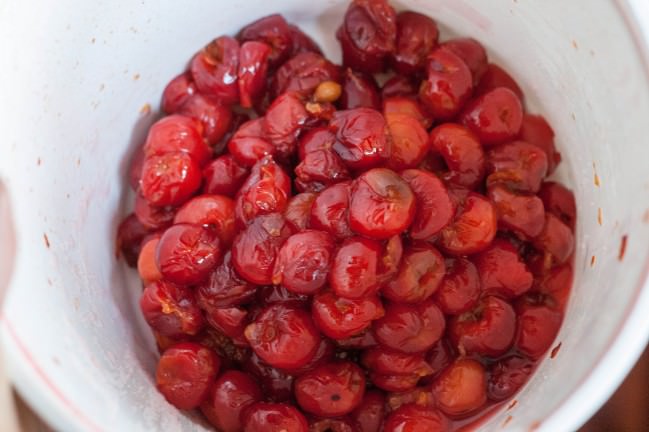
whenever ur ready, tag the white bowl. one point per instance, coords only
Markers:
(76, 76)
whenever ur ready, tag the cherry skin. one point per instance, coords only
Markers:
(538, 325)
(363, 340)
(359, 91)
(302, 42)
(255, 248)
(249, 144)
(486, 330)
(472, 53)
(274, 31)
(389, 261)
(395, 383)
(169, 179)
(177, 92)
(232, 392)
(448, 84)
(331, 390)
(536, 130)
(231, 322)
(369, 414)
(420, 273)
(273, 417)
(409, 141)
(474, 228)
(367, 35)
(185, 373)
(324, 354)
(171, 310)
(560, 201)
(146, 263)
(224, 288)
(215, 212)
(407, 106)
(387, 362)
(502, 271)
(214, 116)
(420, 396)
(319, 169)
(177, 133)
(330, 211)
(318, 138)
(493, 77)
(495, 117)
(413, 418)
(381, 204)
(361, 139)
(151, 217)
(298, 210)
(340, 424)
(130, 234)
(224, 176)
(253, 66)
(283, 123)
(353, 271)
(276, 384)
(462, 388)
(434, 208)
(303, 262)
(460, 288)
(518, 165)
(507, 376)
(416, 37)
(410, 328)
(341, 318)
(462, 153)
(283, 336)
(214, 69)
(187, 253)
(556, 239)
(399, 85)
(524, 215)
(303, 73)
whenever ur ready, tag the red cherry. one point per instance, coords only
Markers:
(274, 31)
(507, 376)
(331, 390)
(440, 356)
(495, 117)
(518, 165)
(474, 228)
(249, 144)
(224, 176)
(224, 288)
(324, 354)
(522, 214)
(214, 116)
(361, 137)
(303, 73)
(273, 417)
(341, 318)
(130, 234)
(187, 253)
(177, 133)
(556, 239)
(538, 326)
(381, 204)
(420, 396)
(185, 373)
(283, 122)
(255, 248)
(231, 393)
(360, 341)
(340, 424)
(177, 92)
(384, 361)
(398, 85)
(502, 271)
(406, 106)
(329, 211)
(283, 336)
(413, 418)
(536, 130)
(559, 201)
(472, 53)
(409, 141)
(369, 414)
(389, 261)
(214, 69)
(462, 388)
(298, 210)
(301, 42)
(486, 330)
(434, 208)
(353, 271)
(493, 77)
(319, 138)
(211, 211)
(303, 262)
(278, 294)
(368, 35)
(169, 179)
(276, 384)
(319, 169)
(229, 321)
(557, 283)
(146, 263)
(171, 310)
(152, 217)
(416, 37)
(420, 273)
(266, 190)
(448, 84)
(394, 383)
(253, 64)
(462, 153)
(359, 91)
(460, 288)
(410, 328)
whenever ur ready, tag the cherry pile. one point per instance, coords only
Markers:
(323, 252)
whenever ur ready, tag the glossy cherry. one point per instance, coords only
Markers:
(152, 217)
(224, 176)
(556, 239)
(507, 376)
(176, 133)
(387, 362)
(560, 201)
(538, 325)
(434, 208)
(420, 273)
(520, 213)
(409, 141)
(473, 229)
(502, 271)
(462, 388)
(298, 210)
(185, 373)
(253, 65)
(215, 212)
(147, 267)
(273, 417)
(171, 310)
(519, 165)
(358, 91)
(361, 139)
(169, 179)
(283, 336)
(472, 53)
(319, 138)
(330, 211)
(354, 268)
(460, 288)
(416, 37)
(215, 68)
(462, 153)
(130, 234)
(493, 77)
(369, 414)
(224, 288)
(319, 169)
(274, 31)
(536, 130)
(341, 318)
(249, 144)
(231, 393)
(495, 117)
(277, 385)
(414, 418)
(303, 73)
(399, 85)
(283, 122)
(177, 92)
(215, 116)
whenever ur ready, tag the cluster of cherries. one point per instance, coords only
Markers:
(320, 252)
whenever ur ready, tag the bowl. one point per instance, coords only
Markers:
(81, 84)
